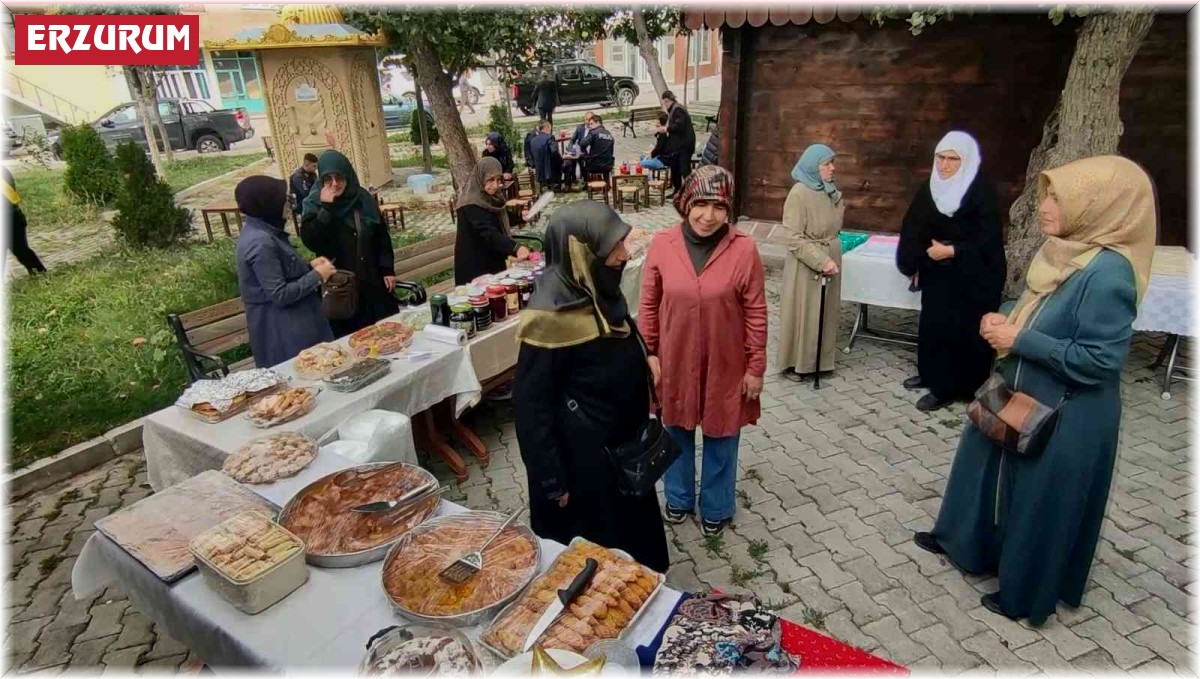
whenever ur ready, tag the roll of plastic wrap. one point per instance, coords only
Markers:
(439, 333)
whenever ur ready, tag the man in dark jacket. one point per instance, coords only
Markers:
(546, 157)
(301, 183)
(597, 148)
(681, 139)
(570, 172)
(546, 96)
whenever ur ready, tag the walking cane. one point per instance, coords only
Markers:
(820, 331)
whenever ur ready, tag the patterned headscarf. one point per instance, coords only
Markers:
(707, 182)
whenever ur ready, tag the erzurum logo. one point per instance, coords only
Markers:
(107, 40)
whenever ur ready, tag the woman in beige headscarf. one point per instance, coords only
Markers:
(1035, 521)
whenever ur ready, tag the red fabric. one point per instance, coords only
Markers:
(708, 331)
(819, 653)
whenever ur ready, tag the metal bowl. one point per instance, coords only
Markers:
(352, 559)
(467, 618)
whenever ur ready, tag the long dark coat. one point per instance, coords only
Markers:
(481, 246)
(952, 359)
(1035, 522)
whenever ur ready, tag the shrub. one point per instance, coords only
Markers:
(500, 120)
(147, 215)
(91, 173)
(414, 134)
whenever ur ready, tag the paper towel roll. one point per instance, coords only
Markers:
(440, 333)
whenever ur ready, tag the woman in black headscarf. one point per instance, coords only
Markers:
(494, 146)
(281, 293)
(341, 222)
(578, 342)
(484, 242)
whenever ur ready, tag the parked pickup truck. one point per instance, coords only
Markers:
(578, 83)
(192, 124)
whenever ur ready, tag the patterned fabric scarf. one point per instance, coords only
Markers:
(707, 182)
(721, 634)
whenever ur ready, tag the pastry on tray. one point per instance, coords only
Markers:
(321, 360)
(246, 546)
(283, 407)
(417, 650)
(385, 337)
(358, 374)
(620, 588)
(157, 529)
(410, 575)
(270, 458)
(320, 514)
(216, 400)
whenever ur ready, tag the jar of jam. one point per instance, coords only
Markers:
(511, 297)
(439, 308)
(483, 312)
(498, 302)
(462, 317)
(524, 290)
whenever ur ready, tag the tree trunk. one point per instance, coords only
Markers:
(132, 77)
(433, 80)
(1086, 122)
(426, 156)
(150, 85)
(649, 54)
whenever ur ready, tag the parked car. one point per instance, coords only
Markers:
(397, 113)
(192, 124)
(399, 83)
(579, 83)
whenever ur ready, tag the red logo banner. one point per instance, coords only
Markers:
(107, 40)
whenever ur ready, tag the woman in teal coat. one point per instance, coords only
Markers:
(1035, 521)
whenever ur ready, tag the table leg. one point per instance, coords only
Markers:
(429, 439)
(858, 319)
(1173, 340)
(207, 226)
(225, 223)
(1162, 353)
(447, 422)
(239, 220)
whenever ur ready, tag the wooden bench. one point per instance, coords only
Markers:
(222, 210)
(710, 111)
(639, 115)
(431, 257)
(203, 335)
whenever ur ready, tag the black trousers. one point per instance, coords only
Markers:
(681, 166)
(19, 244)
(547, 114)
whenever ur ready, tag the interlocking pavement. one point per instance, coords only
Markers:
(832, 483)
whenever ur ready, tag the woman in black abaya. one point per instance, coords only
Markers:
(577, 342)
(951, 247)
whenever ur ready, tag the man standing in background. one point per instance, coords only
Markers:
(301, 183)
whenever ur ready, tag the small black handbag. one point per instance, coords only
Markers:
(641, 461)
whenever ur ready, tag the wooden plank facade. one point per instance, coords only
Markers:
(882, 98)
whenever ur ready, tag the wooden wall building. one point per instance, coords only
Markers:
(882, 98)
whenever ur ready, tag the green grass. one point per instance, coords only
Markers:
(415, 160)
(75, 370)
(184, 173)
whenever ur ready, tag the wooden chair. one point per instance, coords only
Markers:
(222, 210)
(629, 187)
(393, 216)
(657, 183)
(597, 183)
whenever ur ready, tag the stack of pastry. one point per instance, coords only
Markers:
(619, 589)
(270, 458)
(283, 407)
(385, 337)
(245, 546)
(321, 360)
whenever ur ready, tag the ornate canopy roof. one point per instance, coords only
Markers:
(776, 15)
(301, 26)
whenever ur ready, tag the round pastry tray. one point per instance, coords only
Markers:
(352, 559)
(467, 618)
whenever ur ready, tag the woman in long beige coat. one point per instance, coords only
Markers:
(813, 214)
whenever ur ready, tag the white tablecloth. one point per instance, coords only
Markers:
(1167, 306)
(324, 623)
(869, 276)
(179, 446)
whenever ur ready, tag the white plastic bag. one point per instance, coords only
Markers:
(384, 436)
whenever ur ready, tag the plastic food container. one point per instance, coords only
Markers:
(358, 375)
(257, 593)
(386, 652)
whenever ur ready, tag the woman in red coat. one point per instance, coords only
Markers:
(704, 316)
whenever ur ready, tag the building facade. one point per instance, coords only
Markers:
(677, 56)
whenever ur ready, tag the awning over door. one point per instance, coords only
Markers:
(776, 15)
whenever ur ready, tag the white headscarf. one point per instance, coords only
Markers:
(948, 193)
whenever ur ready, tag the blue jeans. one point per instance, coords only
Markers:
(652, 163)
(718, 476)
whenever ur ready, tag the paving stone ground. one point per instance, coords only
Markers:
(831, 485)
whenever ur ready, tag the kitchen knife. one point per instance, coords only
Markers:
(557, 606)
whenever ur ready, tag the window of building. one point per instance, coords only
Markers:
(616, 51)
(8, 34)
(184, 82)
(237, 75)
(701, 47)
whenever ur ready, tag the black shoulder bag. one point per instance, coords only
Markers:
(339, 295)
(641, 461)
